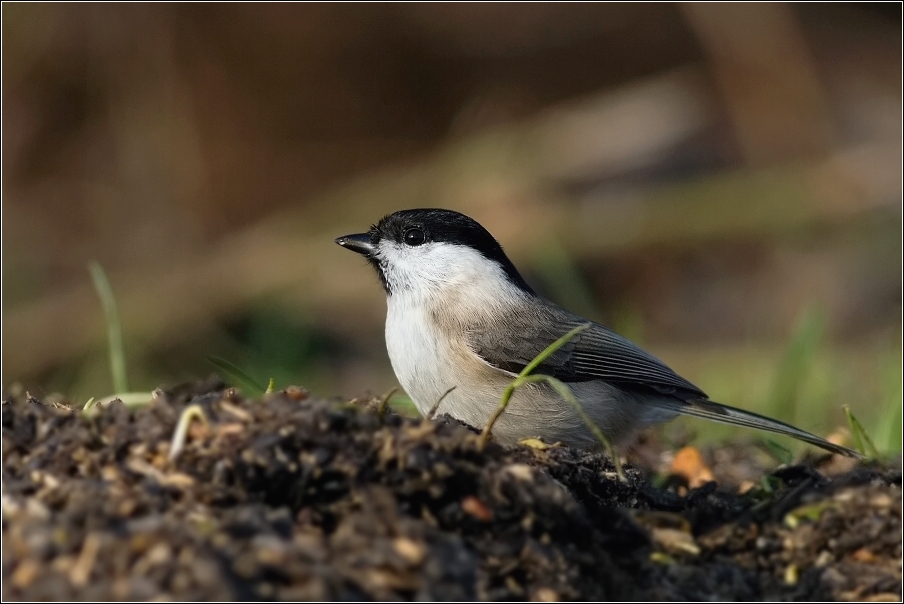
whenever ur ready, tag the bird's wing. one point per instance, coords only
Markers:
(596, 353)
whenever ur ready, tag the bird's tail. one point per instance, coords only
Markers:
(718, 412)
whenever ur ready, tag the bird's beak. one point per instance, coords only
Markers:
(357, 243)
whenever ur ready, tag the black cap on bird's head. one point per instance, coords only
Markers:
(413, 228)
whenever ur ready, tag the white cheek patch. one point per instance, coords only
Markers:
(400, 266)
(432, 267)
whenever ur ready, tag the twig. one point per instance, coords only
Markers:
(384, 402)
(435, 406)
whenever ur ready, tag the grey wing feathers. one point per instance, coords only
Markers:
(596, 353)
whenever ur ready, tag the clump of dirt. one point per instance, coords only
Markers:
(296, 498)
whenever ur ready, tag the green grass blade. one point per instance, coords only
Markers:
(507, 393)
(862, 441)
(237, 376)
(561, 389)
(796, 364)
(887, 430)
(568, 396)
(114, 328)
(403, 405)
(132, 400)
(780, 453)
(888, 434)
(546, 352)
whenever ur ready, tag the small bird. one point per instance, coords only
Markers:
(460, 317)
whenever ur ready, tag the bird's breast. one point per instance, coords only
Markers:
(429, 355)
(415, 351)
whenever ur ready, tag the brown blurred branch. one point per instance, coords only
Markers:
(764, 71)
(502, 178)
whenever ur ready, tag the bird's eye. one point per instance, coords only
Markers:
(414, 236)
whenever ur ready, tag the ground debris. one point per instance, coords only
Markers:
(296, 498)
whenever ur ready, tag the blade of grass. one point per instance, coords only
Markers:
(114, 328)
(432, 411)
(888, 427)
(888, 433)
(178, 443)
(796, 364)
(549, 350)
(565, 392)
(236, 375)
(384, 401)
(133, 400)
(862, 441)
(403, 405)
(781, 454)
(510, 389)
(561, 389)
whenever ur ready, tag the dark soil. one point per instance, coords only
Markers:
(297, 498)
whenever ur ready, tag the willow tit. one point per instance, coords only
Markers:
(459, 315)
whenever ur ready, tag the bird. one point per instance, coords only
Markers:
(462, 323)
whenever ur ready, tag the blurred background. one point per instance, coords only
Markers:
(720, 183)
